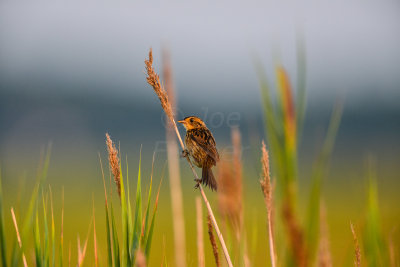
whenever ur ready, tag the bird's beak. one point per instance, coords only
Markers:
(182, 121)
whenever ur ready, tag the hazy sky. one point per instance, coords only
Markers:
(350, 46)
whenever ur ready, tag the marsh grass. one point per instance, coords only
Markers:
(129, 225)
(307, 241)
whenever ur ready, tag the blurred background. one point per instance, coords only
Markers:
(70, 72)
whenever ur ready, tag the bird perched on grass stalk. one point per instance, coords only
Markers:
(201, 146)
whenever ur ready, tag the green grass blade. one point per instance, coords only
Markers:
(126, 259)
(36, 234)
(26, 229)
(53, 231)
(273, 129)
(3, 245)
(149, 237)
(61, 252)
(319, 169)
(108, 229)
(109, 245)
(46, 246)
(374, 245)
(146, 220)
(138, 211)
(115, 239)
(301, 100)
(130, 227)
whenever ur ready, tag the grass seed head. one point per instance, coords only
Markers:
(212, 241)
(266, 179)
(154, 80)
(114, 162)
(230, 200)
(357, 252)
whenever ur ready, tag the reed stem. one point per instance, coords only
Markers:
(154, 80)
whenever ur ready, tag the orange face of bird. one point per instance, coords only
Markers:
(192, 122)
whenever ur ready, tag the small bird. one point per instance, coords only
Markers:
(200, 144)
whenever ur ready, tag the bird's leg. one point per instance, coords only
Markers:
(184, 153)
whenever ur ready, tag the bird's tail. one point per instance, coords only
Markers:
(208, 178)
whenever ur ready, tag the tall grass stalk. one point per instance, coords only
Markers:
(154, 80)
(61, 251)
(319, 170)
(96, 259)
(266, 188)
(357, 251)
(324, 252)
(376, 251)
(200, 240)
(173, 168)
(230, 199)
(18, 236)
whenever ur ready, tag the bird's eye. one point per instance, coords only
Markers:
(191, 120)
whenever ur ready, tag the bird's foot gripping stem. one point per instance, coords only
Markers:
(184, 153)
(198, 181)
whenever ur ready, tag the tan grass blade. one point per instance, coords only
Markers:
(296, 236)
(153, 80)
(200, 240)
(212, 241)
(96, 258)
(324, 253)
(18, 236)
(61, 252)
(266, 188)
(82, 253)
(392, 251)
(174, 173)
(357, 251)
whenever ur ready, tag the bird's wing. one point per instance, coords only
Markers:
(206, 141)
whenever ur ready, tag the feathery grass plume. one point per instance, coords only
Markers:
(153, 80)
(212, 241)
(324, 253)
(18, 236)
(173, 168)
(113, 160)
(200, 241)
(229, 197)
(266, 188)
(357, 252)
(289, 116)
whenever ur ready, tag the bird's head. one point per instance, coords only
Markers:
(192, 122)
